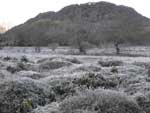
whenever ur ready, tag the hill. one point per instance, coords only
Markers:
(95, 23)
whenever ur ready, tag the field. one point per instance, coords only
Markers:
(62, 81)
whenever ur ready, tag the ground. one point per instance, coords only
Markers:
(61, 82)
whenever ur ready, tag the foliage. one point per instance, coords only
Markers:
(48, 65)
(18, 67)
(24, 59)
(95, 81)
(53, 46)
(110, 63)
(77, 24)
(100, 101)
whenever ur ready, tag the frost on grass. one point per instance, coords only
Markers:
(50, 108)
(110, 63)
(100, 101)
(53, 63)
(143, 101)
(30, 74)
(23, 95)
(39, 83)
(87, 68)
(94, 81)
(20, 66)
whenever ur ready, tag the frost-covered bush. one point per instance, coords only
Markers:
(11, 69)
(63, 89)
(63, 59)
(50, 108)
(24, 59)
(142, 64)
(7, 58)
(143, 101)
(48, 65)
(148, 75)
(110, 63)
(23, 95)
(30, 74)
(43, 60)
(114, 70)
(10, 59)
(75, 61)
(21, 66)
(100, 101)
(88, 68)
(92, 80)
(16, 68)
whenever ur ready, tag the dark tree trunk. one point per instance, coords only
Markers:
(81, 47)
(82, 50)
(117, 48)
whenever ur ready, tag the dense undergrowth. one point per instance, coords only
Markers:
(73, 85)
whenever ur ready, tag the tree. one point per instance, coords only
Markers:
(81, 35)
(53, 46)
(117, 46)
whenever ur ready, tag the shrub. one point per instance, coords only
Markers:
(83, 46)
(50, 108)
(30, 74)
(11, 69)
(63, 89)
(19, 67)
(47, 65)
(110, 63)
(143, 64)
(74, 60)
(94, 81)
(143, 101)
(7, 58)
(26, 106)
(42, 60)
(24, 59)
(88, 68)
(23, 95)
(114, 70)
(148, 72)
(100, 101)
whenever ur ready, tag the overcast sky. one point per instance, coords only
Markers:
(14, 12)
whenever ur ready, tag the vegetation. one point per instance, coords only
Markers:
(110, 63)
(74, 85)
(53, 46)
(82, 25)
(94, 81)
(24, 59)
(77, 84)
(100, 101)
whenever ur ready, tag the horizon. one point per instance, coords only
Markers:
(14, 17)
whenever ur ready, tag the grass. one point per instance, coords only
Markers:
(79, 84)
(100, 101)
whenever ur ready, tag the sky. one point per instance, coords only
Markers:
(15, 12)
